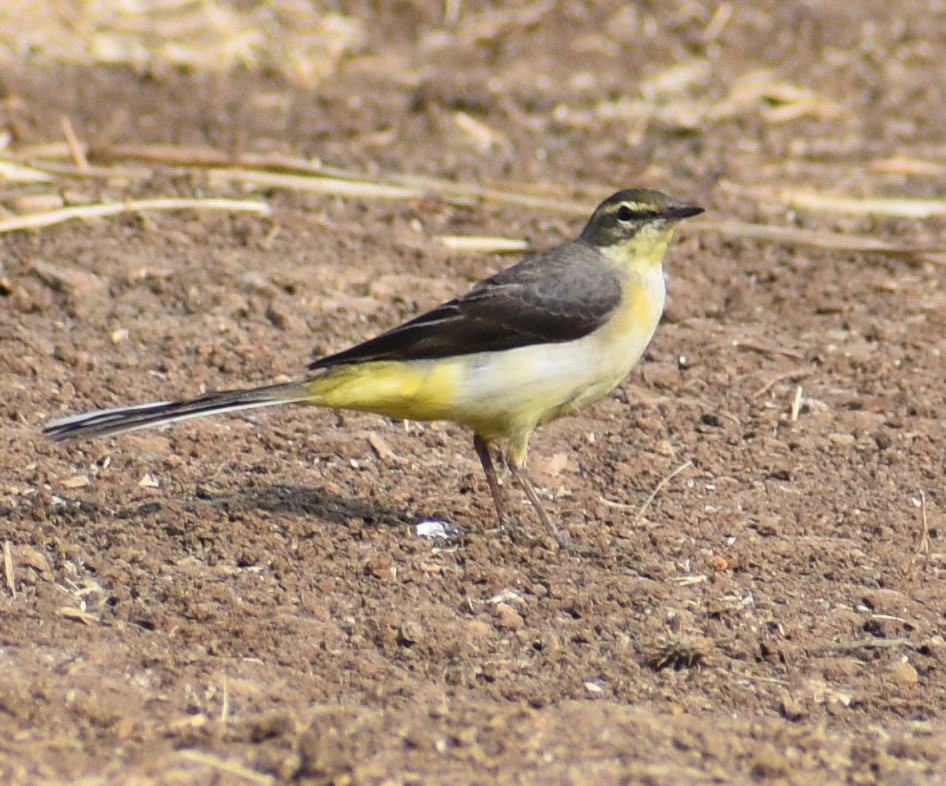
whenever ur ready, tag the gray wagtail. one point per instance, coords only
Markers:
(539, 340)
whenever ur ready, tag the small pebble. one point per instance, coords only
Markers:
(506, 617)
(904, 673)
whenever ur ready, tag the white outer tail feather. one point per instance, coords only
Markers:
(103, 422)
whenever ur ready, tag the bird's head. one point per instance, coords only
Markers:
(634, 226)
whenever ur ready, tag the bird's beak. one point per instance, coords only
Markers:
(677, 212)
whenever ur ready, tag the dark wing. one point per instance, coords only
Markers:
(558, 295)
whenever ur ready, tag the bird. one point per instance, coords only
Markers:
(540, 340)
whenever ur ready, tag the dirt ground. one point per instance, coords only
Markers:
(247, 600)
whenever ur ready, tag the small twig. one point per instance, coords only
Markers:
(689, 581)
(451, 12)
(828, 241)
(757, 678)
(923, 543)
(317, 184)
(771, 382)
(796, 404)
(127, 173)
(611, 503)
(483, 244)
(766, 349)
(381, 448)
(78, 615)
(657, 489)
(867, 644)
(225, 703)
(205, 157)
(60, 215)
(717, 24)
(906, 165)
(76, 148)
(892, 618)
(225, 765)
(903, 208)
(8, 568)
(19, 173)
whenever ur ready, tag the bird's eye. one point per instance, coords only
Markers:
(625, 213)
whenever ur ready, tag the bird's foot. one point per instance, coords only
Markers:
(517, 533)
(552, 539)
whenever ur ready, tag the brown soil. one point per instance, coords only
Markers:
(246, 599)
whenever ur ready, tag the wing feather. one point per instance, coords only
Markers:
(559, 295)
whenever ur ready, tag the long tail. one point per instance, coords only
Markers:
(114, 421)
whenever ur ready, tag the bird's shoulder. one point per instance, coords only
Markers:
(573, 275)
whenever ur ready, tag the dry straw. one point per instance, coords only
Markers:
(283, 172)
(294, 38)
(305, 44)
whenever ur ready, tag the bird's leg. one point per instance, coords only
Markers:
(515, 460)
(482, 450)
(525, 483)
(517, 452)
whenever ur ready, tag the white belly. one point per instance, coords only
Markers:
(504, 392)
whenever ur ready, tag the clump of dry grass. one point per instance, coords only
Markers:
(676, 651)
(680, 97)
(292, 37)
